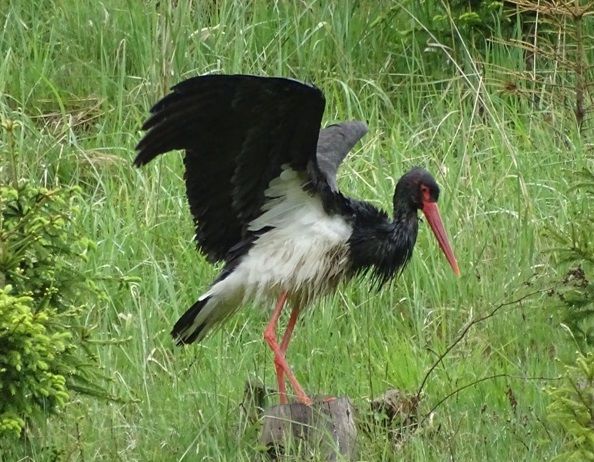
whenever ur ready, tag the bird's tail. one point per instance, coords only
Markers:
(222, 299)
(196, 322)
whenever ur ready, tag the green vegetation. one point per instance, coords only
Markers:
(45, 338)
(27, 363)
(577, 247)
(502, 122)
(573, 407)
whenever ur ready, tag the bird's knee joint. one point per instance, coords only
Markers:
(269, 337)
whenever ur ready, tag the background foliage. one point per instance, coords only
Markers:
(572, 407)
(44, 336)
(31, 377)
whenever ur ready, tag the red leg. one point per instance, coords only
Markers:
(270, 338)
(280, 363)
(289, 330)
(283, 347)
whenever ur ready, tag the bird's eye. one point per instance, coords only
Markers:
(426, 193)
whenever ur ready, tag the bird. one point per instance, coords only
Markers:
(260, 177)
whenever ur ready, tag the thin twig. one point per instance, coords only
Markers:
(467, 328)
(471, 384)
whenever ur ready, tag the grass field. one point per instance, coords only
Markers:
(79, 77)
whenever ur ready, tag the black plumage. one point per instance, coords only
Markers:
(237, 132)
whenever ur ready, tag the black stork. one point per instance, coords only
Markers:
(260, 177)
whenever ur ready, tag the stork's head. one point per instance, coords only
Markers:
(416, 190)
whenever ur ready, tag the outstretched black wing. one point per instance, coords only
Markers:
(334, 143)
(237, 131)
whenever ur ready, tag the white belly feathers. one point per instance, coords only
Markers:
(304, 249)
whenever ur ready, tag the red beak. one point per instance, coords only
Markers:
(434, 219)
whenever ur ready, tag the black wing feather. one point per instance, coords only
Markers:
(237, 131)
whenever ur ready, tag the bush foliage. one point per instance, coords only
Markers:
(573, 409)
(44, 350)
(576, 247)
(572, 405)
(32, 374)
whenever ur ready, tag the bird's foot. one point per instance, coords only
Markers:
(284, 371)
(304, 399)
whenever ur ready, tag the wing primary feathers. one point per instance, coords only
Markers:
(237, 132)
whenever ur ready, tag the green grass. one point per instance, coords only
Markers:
(79, 78)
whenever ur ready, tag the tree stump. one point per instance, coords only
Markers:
(325, 429)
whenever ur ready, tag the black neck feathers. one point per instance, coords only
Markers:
(379, 245)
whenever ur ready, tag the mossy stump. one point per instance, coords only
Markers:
(325, 430)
